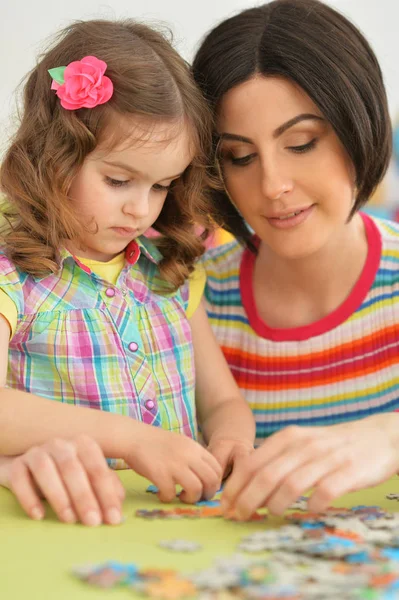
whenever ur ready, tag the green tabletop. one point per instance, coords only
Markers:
(36, 557)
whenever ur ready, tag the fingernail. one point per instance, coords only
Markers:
(68, 516)
(114, 516)
(234, 514)
(92, 518)
(229, 513)
(37, 513)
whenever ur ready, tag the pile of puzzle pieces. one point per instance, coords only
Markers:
(343, 554)
(204, 509)
(180, 512)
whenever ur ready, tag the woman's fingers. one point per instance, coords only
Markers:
(76, 481)
(301, 479)
(248, 467)
(107, 493)
(22, 485)
(45, 474)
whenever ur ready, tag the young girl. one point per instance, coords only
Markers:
(305, 305)
(92, 314)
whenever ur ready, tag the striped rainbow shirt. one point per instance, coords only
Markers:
(341, 368)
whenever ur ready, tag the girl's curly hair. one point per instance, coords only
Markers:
(150, 81)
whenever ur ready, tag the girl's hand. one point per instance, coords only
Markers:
(73, 476)
(169, 459)
(228, 451)
(333, 460)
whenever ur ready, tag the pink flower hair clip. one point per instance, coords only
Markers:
(82, 84)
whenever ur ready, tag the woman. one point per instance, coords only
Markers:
(305, 303)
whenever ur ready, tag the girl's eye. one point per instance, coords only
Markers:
(304, 147)
(116, 182)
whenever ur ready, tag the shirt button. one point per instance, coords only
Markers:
(110, 292)
(149, 404)
(133, 346)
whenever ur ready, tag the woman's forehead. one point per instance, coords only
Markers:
(274, 100)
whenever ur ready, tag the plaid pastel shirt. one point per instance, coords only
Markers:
(125, 349)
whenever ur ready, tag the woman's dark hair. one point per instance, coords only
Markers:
(316, 47)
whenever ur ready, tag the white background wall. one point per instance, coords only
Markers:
(24, 24)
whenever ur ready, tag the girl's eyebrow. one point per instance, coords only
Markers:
(277, 132)
(130, 169)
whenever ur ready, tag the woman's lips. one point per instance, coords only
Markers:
(291, 219)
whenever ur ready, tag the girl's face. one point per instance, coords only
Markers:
(283, 165)
(119, 194)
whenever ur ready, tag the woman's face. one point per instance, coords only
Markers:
(283, 165)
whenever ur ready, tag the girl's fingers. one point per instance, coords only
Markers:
(102, 480)
(118, 485)
(192, 486)
(165, 484)
(213, 463)
(48, 479)
(76, 481)
(222, 453)
(22, 486)
(210, 481)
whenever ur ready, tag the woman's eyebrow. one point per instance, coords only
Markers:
(235, 137)
(302, 117)
(277, 132)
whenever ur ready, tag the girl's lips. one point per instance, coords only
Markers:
(288, 222)
(124, 231)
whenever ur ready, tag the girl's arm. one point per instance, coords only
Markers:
(166, 458)
(5, 462)
(27, 420)
(225, 418)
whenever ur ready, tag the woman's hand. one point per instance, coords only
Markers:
(332, 460)
(73, 476)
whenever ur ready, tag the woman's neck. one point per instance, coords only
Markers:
(297, 292)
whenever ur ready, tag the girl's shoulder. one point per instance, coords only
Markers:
(7, 267)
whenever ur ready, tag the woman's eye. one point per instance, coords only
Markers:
(161, 188)
(227, 156)
(116, 182)
(242, 160)
(303, 147)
